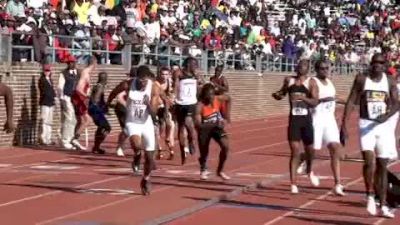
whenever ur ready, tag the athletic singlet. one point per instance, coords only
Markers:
(373, 101)
(298, 108)
(211, 113)
(325, 91)
(137, 110)
(187, 92)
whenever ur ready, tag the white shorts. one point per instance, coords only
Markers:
(325, 132)
(379, 137)
(143, 130)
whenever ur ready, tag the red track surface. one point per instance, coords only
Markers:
(60, 187)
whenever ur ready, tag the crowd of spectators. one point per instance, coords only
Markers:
(343, 31)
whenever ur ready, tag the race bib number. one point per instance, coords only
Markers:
(376, 104)
(187, 91)
(299, 108)
(329, 106)
(299, 111)
(376, 109)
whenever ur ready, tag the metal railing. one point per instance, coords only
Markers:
(155, 54)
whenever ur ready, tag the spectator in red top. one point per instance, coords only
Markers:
(213, 43)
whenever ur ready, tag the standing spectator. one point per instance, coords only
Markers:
(46, 101)
(66, 86)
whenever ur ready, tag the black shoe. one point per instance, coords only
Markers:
(145, 187)
(98, 151)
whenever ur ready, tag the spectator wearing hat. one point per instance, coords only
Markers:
(66, 86)
(46, 102)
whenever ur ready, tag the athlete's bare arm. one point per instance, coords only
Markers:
(226, 98)
(393, 103)
(121, 87)
(155, 100)
(85, 77)
(175, 80)
(353, 100)
(197, 116)
(8, 98)
(283, 91)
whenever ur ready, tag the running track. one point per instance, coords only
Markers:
(47, 186)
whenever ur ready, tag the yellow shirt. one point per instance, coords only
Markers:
(82, 12)
(204, 24)
(154, 8)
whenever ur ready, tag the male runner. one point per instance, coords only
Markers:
(303, 95)
(376, 94)
(97, 110)
(9, 100)
(210, 125)
(80, 99)
(120, 112)
(186, 84)
(219, 81)
(326, 131)
(142, 104)
(164, 82)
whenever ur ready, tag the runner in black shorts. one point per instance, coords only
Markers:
(303, 95)
(97, 109)
(210, 125)
(186, 85)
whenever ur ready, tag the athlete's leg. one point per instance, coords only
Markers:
(294, 160)
(149, 144)
(336, 155)
(221, 138)
(204, 138)
(368, 171)
(381, 174)
(136, 144)
(191, 132)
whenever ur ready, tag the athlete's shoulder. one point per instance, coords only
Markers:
(360, 77)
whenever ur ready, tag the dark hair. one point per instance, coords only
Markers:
(187, 60)
(318, 63)
(144, 72)
(205, 90)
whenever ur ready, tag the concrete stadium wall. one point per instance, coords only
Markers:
(251, 96)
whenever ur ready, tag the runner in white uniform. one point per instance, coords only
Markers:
(377, 97)
(186, 85)
(326, 132)
(142, 103)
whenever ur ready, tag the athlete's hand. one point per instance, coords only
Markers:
(277, 96)
(9, 126)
